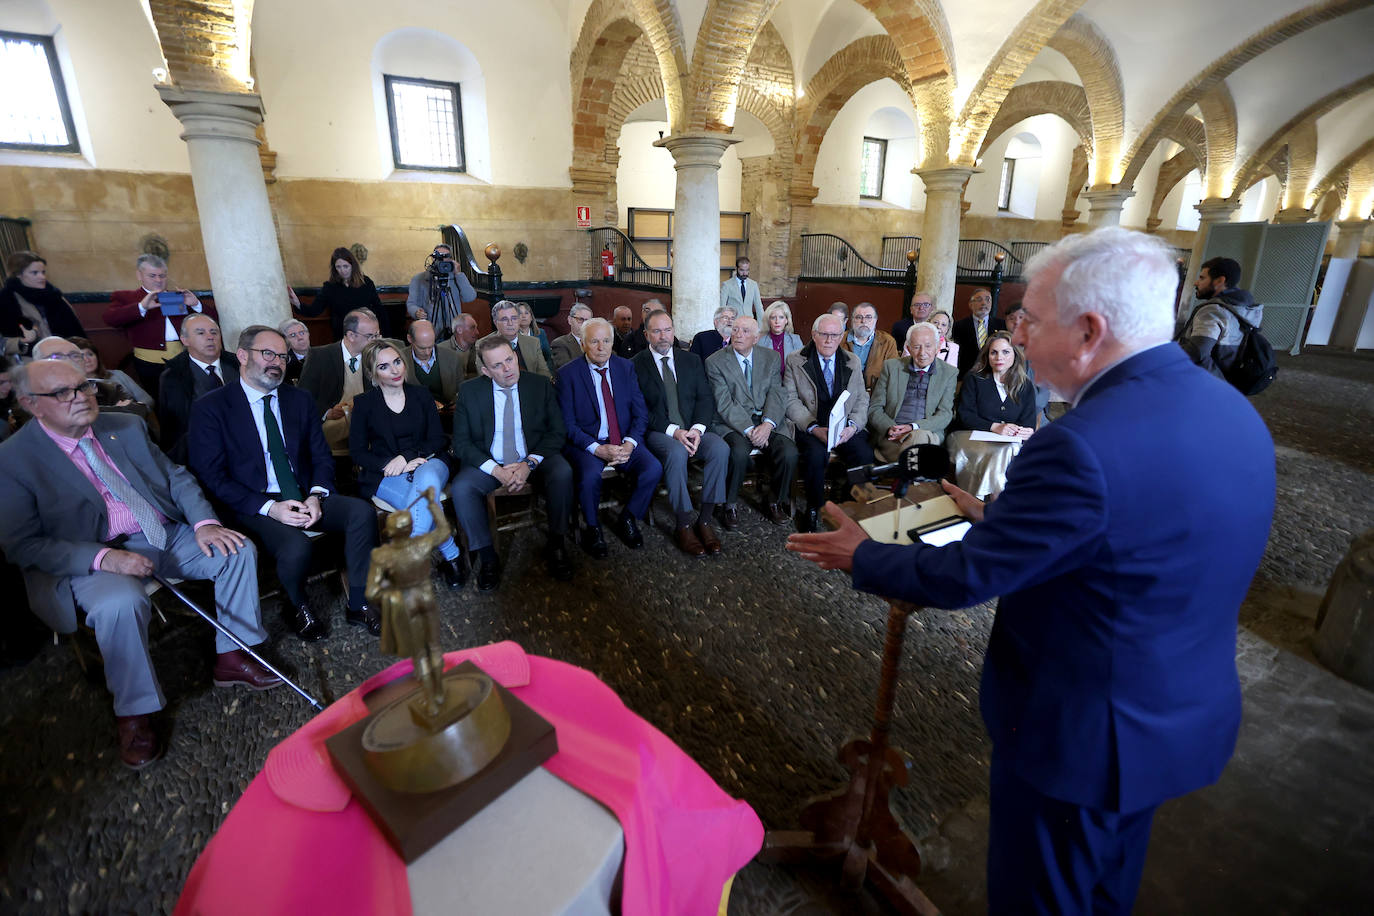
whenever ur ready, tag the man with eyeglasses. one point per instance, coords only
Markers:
(110, 396)
(817, 376)
(569, 347)
(153, 332)
(872, 346)
(333, 376)
(90, 509)
(259, 448)
(197, 370)
(505, 319)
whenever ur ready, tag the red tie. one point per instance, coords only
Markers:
(612, 421)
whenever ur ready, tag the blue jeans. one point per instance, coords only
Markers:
(400, 493)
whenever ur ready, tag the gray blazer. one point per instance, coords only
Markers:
(53, 522)
(890, 390)
(803, 398)
(565, 350)
(530, 353)
(736, 404)
(450, 371)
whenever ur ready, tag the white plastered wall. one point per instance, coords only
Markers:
(837, 162)
(1050, 173)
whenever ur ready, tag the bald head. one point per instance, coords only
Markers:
(53, 347)
(421, 336)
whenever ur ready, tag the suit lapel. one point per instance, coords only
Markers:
(124, 462)
(70, 479)
(241, 420)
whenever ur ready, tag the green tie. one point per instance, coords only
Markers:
(353, 364)
(276, 450)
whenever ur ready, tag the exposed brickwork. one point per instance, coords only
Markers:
(205, 42)
(1219, 118)
(1171, 173)
(1093, 58)
(920, 33)
(1066, 100)
(1190, 134)
(1338, 179)
(763, 194)
(1078, 178)
(1302, 163)
(724, 42)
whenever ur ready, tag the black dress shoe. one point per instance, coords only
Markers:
(594, 542)
(627, 529)
(488, 575)
(809, 521)
(728, 515)
(304, 623)
(774, 513)
(454, 572)
(365, 617)
(560, 564)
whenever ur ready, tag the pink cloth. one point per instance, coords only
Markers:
(296, 841)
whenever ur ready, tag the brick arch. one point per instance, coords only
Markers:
(1302, 162)
(609, 30)
(1190, 134)
(1272, 35)
(767, 90)
(1094, 58)
(1078, 179)
(1218, 110)
(920, 33)
(1065, 100)
(1171, 172)
(1265, 151)
(725, 40)
(763, 108)
(1339, 177)
(205, 42)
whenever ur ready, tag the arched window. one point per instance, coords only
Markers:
(889, 152)
(1188, 217)
(1020, 181)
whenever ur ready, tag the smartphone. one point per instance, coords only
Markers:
(941, 533)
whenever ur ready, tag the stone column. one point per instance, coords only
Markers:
(696, 228)
(1211, 210)
(935, 272)
(1349, 235)
(1105, 204)
(241, 250)
(1293, 215)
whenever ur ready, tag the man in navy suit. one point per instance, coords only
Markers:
(1109, 683)
(606, 419)
(972, 332)
(259, 449)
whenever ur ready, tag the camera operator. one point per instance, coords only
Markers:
(438, 291)
(1109, 682)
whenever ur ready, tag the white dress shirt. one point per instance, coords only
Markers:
(255, 406)
(499, 427)
(604, 430)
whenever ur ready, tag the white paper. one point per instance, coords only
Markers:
(889, 530)
(837, 420)
(979, 435)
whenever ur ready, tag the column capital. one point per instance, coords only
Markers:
(697, 150)
(1216, 209)
(1107, 198)
(209, 114)
(1353, 225)
(949, 178)
(1294, 215)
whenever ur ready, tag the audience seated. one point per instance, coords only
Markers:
(1014, 318)
(89, 509)
(530, 328)
(629, 340)
(918, 310)
(567, 348)
(333, 376)
(508, 432)
(258, 448)
(971, 333)
(912, 402)
(464, 343)
(346, 290)
(438, 370)
(779, 334)
(31, 308)
(997, 396)
(95, 369)
(871, 346)
(606, 418)
(817, 375)
(680, 408)
(398, 444)
(751, 406)
(201, 367)
(949, 350)
(704, 343)
(298, 343)
(505, 318)
(155, 337)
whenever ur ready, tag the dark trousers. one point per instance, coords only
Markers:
(149, 375)
(1048, 856)
(813, 457)
(781, 455)
(291, 548)
(587, 470)
(470, 486)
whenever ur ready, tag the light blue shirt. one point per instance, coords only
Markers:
(499, 398)
(861, 350)
(426, 364)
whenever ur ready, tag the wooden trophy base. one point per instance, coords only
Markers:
(414, 822)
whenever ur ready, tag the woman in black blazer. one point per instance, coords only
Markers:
(397, 443)
(347, 289)
(997, 397)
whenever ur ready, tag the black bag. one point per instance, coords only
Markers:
(1255, 364)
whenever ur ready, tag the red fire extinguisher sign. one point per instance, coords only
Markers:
(584, 217)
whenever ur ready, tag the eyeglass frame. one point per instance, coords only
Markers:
(78, 356)
(270, 357)
(68, 395)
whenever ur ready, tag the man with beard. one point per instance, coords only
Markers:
(1213, 332)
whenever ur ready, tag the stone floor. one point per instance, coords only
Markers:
(759, 666)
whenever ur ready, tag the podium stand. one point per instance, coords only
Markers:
(855, 827)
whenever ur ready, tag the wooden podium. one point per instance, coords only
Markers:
(855, 826)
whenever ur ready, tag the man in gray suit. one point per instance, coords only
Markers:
(569, 347)
(505, 317)
(751, 410)
(741, 293)
(913, 400)
(90, 510)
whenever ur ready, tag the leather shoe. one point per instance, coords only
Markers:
(594, 542)
(560, 564)
(138, 742)
(627, 529)
(238, 667)
(809, 521)
(365, 617)
(488, 575)
(774, 513)
(305, 624)
(728, 515)
(689, 542)
(453, 573)
(708, 538)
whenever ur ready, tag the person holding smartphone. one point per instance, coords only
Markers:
(151, 316)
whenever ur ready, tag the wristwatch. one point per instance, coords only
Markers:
(531, 462)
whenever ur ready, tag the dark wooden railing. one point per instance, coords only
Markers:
(895, 248)
(630, 267)
(14, 236)
(829, 256)
(486, 281)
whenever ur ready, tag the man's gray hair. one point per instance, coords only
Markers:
(150, 260)
(19, 377)
(285, 327)
(42, 345)
(592, 323)
(580, 307)
(921, 326)
(502, 305)
(350, 322)
(725, 310)
(825, 316)
(1127, 277)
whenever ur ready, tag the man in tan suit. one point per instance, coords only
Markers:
(913, 399)
(505, 317)
(873, 347)
(464, 343)
(437, 369)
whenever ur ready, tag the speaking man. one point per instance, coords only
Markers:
(1109, 683)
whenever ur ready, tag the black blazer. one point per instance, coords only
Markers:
(980, 406)
(176, 390)
(322, 376)
(294, 365)
(694, 397)
(372, 433)
(706, 342)
(227, 455)
(474, 419)
(339, 299)
(966, 337)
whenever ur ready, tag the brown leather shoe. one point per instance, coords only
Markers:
(138, 742)
(689, 542)
(728, 515)
(774, 513)
(238, 667)
(708, 538)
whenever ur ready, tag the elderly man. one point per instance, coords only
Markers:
(509, 433)
(972, 333)
(436, 298)
(606, 419)
(912, 402)
(1109, 683)
(680, 407)
(438, 369)
(704, 343)
(871, 346)
(741, 293)
(920, 309)
(628, 341)
(201, 367)
(155, 335)
(464, 343)
(505, 318)
(569, 347)
(751, 405)
(298, 343)
(333, 376)
(91, 509)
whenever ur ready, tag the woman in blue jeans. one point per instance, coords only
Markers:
(397, 443)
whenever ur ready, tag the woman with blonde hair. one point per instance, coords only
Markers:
(779, 334)
(948, 350)
(531, 328)
(997, 397)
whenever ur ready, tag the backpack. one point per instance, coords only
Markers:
(1255, 364)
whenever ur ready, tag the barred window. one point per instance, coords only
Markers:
(34, 114)
(871, 167)
(426, 124)
(1004, 189)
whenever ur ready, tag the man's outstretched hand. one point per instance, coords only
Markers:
(832, 549)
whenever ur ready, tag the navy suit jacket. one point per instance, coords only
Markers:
(227, 455)
(578, 398)
(1122, 548)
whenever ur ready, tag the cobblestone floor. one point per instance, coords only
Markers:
(758, 665)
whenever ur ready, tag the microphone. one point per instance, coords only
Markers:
(916, 463)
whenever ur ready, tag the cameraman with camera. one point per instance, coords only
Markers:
(151, 316)
(439, 291)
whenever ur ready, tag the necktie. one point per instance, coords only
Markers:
(276, 450)
(612, 421)
(670, 389)
(353, 364)
(122, 490)
(749, 375)
(509, 454)
(829, 372)
(982, 334)
(743, 295)
(215, 380)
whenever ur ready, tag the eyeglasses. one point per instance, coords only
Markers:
(828, 335)
(67, 395)
(268, 356)
(76, 357)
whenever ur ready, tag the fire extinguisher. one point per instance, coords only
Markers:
(608, 263)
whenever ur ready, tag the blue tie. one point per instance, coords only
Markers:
(829, 373)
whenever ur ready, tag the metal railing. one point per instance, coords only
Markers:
(978, 257)
(1024, 251)
(457, 241)
(825, 255)
(895, 248)
(630, 267)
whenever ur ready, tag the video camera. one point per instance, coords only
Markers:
(916, 464)
(440, 264)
